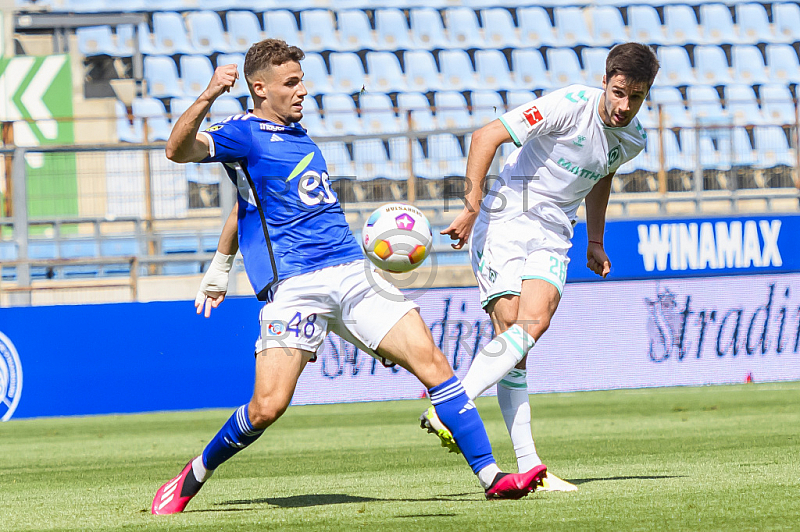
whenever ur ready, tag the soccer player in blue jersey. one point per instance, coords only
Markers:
(304, 263)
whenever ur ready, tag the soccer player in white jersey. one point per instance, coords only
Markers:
(569, 144)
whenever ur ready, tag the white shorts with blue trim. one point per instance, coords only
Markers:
(506, 252)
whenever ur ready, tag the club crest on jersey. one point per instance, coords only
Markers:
(276, 328)
(613, 155)
(214, 128)
(532, 115)
(10, 378)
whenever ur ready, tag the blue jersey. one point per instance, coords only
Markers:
(290, 221)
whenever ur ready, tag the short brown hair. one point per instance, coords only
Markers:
(268, 53)
(636, 61)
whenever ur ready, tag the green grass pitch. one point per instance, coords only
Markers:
(709, 458)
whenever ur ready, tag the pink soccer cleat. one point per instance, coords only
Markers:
(172, 497)
(516, 485)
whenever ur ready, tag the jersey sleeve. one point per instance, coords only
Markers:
(538, 117)
(228, 141)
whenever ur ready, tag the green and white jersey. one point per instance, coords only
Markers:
(563, 150)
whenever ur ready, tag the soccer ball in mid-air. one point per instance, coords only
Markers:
(397, 237)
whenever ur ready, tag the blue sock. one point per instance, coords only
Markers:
(461, 417)
(234, 436)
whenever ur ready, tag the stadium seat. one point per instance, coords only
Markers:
(427, 29)
(772, 147)
(399, 161)
(535, 28)
(786, 18)
(676, 69)
(711, 65)
(385, 74)
(742, 105)
(316, 77)
(648, 160)
(240, 87)
(370, 159)
(743, 154)
(486, 106)
(451, 110)
(347, 72)
(607, 26)
(341, 117)
(647, 117)
(312, 120)
(571, 29)
(753, 23)
(391, 30)
(492, 69)
(710, 156)
(645, 26)
(243, 29)
(281, 24)
(670, 101)
(463, 28)
(196, 72)
(170, 34)
(354, 31)
(421, 72)
(377, 114)
(318, 30)
(96, 40)
(782, 63)
(456, 69)
(777, 105)
(127, 131)
(564, 66)
(224, 107)
(152, 110)
(445, 156)
(718, 25)
(594, 64)
(677, 156)
(704, 105)
(338, 160)
(517, 98)
(529, 70)
(680, 24)
(748, 65)
(421, 115)
(125, 36)
(161, 75)
(178, 106)
(498, 29)
(206, 33)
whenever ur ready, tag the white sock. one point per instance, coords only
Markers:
(512, 394)
(496, 359)
(201, 473)
(487, 474)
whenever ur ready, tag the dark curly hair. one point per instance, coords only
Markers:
(636, 61)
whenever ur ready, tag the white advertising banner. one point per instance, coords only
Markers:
(615, 334)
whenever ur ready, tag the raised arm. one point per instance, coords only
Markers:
(596, 204)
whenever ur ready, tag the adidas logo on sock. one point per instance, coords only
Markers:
(275, 138)
(469, 406)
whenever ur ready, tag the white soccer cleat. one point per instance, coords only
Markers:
(553, 483)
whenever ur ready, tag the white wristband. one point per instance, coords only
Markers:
(222, 262)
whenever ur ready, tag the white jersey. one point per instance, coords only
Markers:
(564, 148)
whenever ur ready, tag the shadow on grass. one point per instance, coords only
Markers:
(578, 481)
(414, 516)
(324, 499)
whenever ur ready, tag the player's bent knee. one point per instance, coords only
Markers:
(265, 411)
(535, 326)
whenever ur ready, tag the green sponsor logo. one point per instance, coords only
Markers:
(579, 142)
(577, 170)
(580, 96)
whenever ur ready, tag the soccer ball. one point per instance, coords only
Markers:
(397, 237)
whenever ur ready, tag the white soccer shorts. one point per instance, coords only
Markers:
(504, 253)
(351, 300)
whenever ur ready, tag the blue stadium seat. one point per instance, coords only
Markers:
(421, 114)
(118, 246)
(445, 156)
(645, 25)
(127, 132)
(170, 34)
(783, 64)
(354, 31)
(647, 117)
(456, 69)
(125, 36)
(743, 154)
(316, 77)
(223, 107)
(594, 64)
(312, 119)
(196, 72)
(385, 74)
(564, 66)
(608, 27)
(391, 30)
(742, 105)
(427, 29)
(648, 160)
(281, 24)
(347, 72)
(341, 117)
(498, 28)
(243, 29)
(240, 87)
(463, 28)
(399, 162)
(486, 106)
(704, 105)
(178, 106)
(161, 75)
(338, 160)
(677, 156)
(421, 72)
(535, 28)
(517, 98)
(377, 114)
(492, 69)
(571, 29)
(753, 23)
(371, 160)
(676, 69)
(206, 33)
(670, 101)
(711, 65)
(748, 65)
(718, 25)
(318, 30)
(96, 40)
(153, 111)
(710, 156)
(451, 110)
(777, 105)
(772, 147)
(163, 5)
(529, 70)
(681, 26)
(786, 17)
